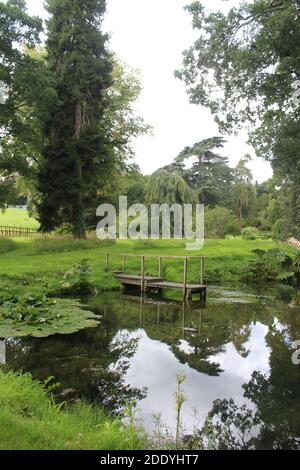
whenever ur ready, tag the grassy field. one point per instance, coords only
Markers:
(29, 420)
(29, 257)
(17, 218)
(48, 257)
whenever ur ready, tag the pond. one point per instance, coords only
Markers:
(238, 346)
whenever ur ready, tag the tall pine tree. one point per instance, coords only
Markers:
(209, 173)
(76, 153)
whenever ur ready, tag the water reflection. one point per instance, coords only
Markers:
(239, 349)
(89, 364)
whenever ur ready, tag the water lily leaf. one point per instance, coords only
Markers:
(63, 316)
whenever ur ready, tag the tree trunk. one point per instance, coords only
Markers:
(78, 209)
(241, 214)
(79, 228)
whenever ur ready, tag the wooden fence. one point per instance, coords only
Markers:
(13, 232)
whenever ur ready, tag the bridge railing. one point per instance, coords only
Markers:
(160, 259)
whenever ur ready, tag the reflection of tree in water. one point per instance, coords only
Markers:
(277, 396)
(88, 364)
(205, 331)
(274, 423)
(93, 363)
(222, 324)
(198, 359)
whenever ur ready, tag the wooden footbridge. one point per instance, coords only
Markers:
(158, 284)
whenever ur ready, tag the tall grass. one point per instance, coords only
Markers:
(30, 420)
(7, 245)
(66, 244)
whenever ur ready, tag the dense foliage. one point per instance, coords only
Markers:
(251, 57)
(63, 101)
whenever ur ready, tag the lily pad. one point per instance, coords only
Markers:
(60, 316)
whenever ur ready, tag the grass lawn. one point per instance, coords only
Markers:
(17, 218)
(29, 420)
(224, 259)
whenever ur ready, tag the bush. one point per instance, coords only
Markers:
(269, 266)
(64, 229)
(220, 222)
(76, 281)
(278, 230)
(7, 245)
(250, 233)
(215, 276)
(64, 244)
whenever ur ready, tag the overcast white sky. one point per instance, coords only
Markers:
(150, 35)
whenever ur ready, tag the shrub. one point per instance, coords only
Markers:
(76, 281)
(215, 275)
(7, 245)
(284, 292)
(271, 265)
(220, 222)
(278, 230)
(64, 229)
(65, 244)
(250, 233)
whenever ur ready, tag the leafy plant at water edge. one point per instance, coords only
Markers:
(76, 280)
(40, 316)
(269, 266)
(180, 398)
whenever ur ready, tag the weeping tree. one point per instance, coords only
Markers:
(75, 155)
(243, 191)
(242, 172)
(169, 188)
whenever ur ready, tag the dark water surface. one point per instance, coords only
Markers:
(139, 347)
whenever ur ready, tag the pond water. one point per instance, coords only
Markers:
(140, 346)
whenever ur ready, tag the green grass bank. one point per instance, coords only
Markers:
(27, 260)
(30, 420)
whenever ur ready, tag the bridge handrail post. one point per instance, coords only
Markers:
(202, 272)
(185, 272)
(143, 275)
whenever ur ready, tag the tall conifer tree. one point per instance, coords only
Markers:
(75, 154)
